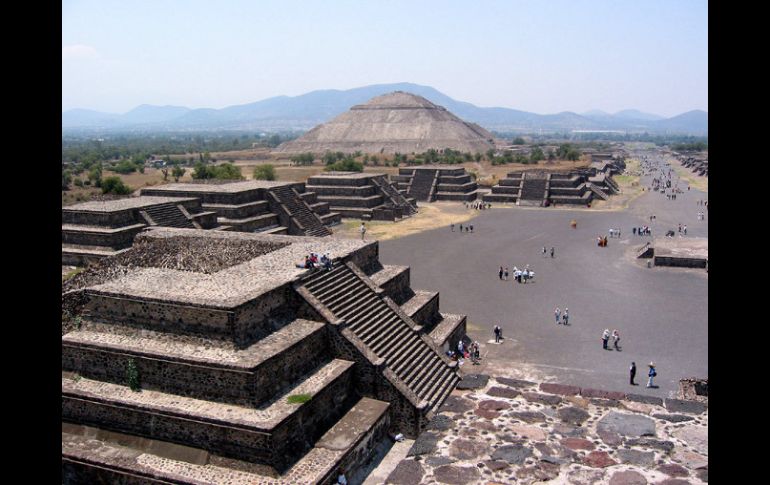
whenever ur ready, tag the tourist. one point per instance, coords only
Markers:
(461, 228)
(557, 314)
(605, 338)
(565, 317)
(544, 251)
(633, 231)
(471, 226)
(552, 251)
(651, 374)
(453, 227)
(500, 273)
(616, 339)
(460, 348)
(341, 480)
(505, 274)
(684, 229)
(632, 373)
(498, 334)
(362, 230)
(476, 353)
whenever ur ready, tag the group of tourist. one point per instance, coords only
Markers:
(545, 251)
(478, 205)
(313, 261)
(562, 318)
(651, 374)
(521, 276)
(682, 230)
(615, 339)
(601, 241)
(468, 228)
(642, 231)
(471, 352)
(614, 232)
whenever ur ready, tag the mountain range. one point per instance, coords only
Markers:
(308, 110)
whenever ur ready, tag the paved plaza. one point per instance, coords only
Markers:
(661, 313)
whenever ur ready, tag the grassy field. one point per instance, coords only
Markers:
(136, 181)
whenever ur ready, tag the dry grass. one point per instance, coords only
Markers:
(630, 189)
(695, 181)
(136, 180)
(431, 216)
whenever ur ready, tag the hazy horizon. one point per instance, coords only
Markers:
(541, 57)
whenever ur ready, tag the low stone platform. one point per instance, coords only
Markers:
(687, 252)
(513, 431)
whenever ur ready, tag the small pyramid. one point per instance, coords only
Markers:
(394, 122)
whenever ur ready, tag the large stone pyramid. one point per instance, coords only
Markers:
(395, 122)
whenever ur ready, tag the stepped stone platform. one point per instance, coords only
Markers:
(258, 206)
(538, 188)
(501, 430)
(97, 229)
(247, 368)
(689, 252)
(429, 183)
(362, 195)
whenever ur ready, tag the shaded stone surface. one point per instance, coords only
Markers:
(696, 438)
(680, 406)
(577, 444)
(599, 459)
(609, 437)
(495, 465)
(703, 475)
(464, 449)
(636, 457)
(490, 408)
(473, 381)
(573, 415)
(407, 472)
(609, 403)
(542, 398)
(440, 423)
(665, 446)
(639, 407)
(513, 454)
(603, 394)
(542, 471)
(503, 392)
(585, 476)
(627, 424)
(567, 430)
(563, 389)
(673, 470)
(673, 418)
(628, 477)
(439, 460)
(455, 475)
(424, 444)
(644, 399)
(456, 404)
(673, 481)
(528, 416)
(514, 382)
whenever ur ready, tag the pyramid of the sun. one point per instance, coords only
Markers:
(394, 122)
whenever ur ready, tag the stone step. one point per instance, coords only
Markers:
(448, 330)
(252, 222)
(410, 354)
(92, 455)
(394, 280)
(75, 255)
(439, 382)
(422, 307)
(196, 367)
(275, 230)
(424, 380)
(393, 331)
(274, 435)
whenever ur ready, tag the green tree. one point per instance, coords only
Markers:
(264, 172)
(164, 171)
(114, 185)
(346, 165)
(66, 179)
(536, 155)
(490, 154)
(519, 141)
(477, 156)
(227, 171)
(551, 156)
(125, 167)
(95, 175)
(202, 172)
(177, 172)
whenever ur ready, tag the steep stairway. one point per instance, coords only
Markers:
(168, 216)
(344, 293)
(422, 183)
(300, 211)
(394, 195)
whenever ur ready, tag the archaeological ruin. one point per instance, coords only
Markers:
(367, 196)
(210, 357)
(94, 230)
(395, 122)
(429, 183)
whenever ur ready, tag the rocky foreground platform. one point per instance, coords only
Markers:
(501, 431)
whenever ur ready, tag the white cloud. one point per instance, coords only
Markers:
(78, 51)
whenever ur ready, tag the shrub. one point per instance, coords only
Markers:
(346, 165)
(114, 185)
(264, 172)
(299, 398)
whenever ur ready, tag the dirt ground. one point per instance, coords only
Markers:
(630, 189)
(695, 181)
(430, 216)
(136, 180)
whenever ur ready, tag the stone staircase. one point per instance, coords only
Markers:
(533, 189)
(167, 216)
(300, 211)
(596, 190)
(394, 195)
(421, 187)
(391, 335)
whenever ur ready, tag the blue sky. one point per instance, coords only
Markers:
(539, 56)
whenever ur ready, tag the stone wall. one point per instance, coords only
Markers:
(679, 262)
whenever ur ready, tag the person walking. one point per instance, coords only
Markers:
(453, 227)
(505, 274)
(565, 317)
(553, 250)
(362, 230)
(498, 334)
(557, 314)
(544, 251)
(616, 339)
(651, 374)
(461, 228)
(632, 373)
(500, 273)
(605, 338)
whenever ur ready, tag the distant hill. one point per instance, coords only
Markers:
(308, 110)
